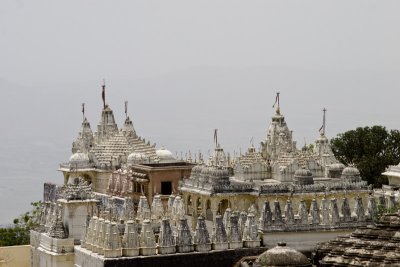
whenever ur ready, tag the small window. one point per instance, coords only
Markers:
(166, 188)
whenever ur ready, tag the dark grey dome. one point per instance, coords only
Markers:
(282, 255)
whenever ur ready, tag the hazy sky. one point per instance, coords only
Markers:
(187, 67)
(55, 41)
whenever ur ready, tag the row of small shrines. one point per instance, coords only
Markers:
(171, 234)
(111, 239)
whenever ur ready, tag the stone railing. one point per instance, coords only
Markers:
(326, 215)
(67, 165)
(288, 188)
(234, 188)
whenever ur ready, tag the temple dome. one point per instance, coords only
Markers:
(282, 255)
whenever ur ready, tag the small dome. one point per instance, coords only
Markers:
(303, 173)
(336, 167)
(303, 177)
(135, 158)
(353, 171)
(196, 171)
(282, 255)
(164, 154)
(351, 174)
(79, 159)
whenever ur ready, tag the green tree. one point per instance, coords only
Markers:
(370, 149)
(19, 233)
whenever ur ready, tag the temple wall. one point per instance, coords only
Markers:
(100, 182)
(75, 215)
(15, 256)
(85, 258)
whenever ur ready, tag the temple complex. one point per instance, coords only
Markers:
(278, 170)
(134, 164)
(125, 203)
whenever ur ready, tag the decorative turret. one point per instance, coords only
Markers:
(112, 248)
(266, 217)
(234, 237)
(107, 126)
(170, 204)
(279, 138)
(128, 128)
(128, 209)
(85, 140)
(334, 212)
(184, 237)
(57, 229)
(147, 239)
(143, 211)
(157, 209)
(202, 241)
(250, 235)
(220, 238)
(130, 240)
(277, 213)
(359, 209)
(372, 209)
(242, 221)
(345, 209)
(289, 216)
(226, 218)
(303, 215)
(178, 209)
(314, 212)
(166, 243)
(324, 212)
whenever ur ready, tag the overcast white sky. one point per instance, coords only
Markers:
(187, 67)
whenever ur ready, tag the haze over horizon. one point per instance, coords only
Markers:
(186, 68)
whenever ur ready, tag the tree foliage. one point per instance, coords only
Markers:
(370, 149)
(19, 233)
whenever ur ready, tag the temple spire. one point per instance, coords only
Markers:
(277, 102)
(103, 93)
(322, 129)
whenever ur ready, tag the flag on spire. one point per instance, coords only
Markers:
(276, 100)
(103, 93)
(126, 109)
(216, 137)
(83, 110)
